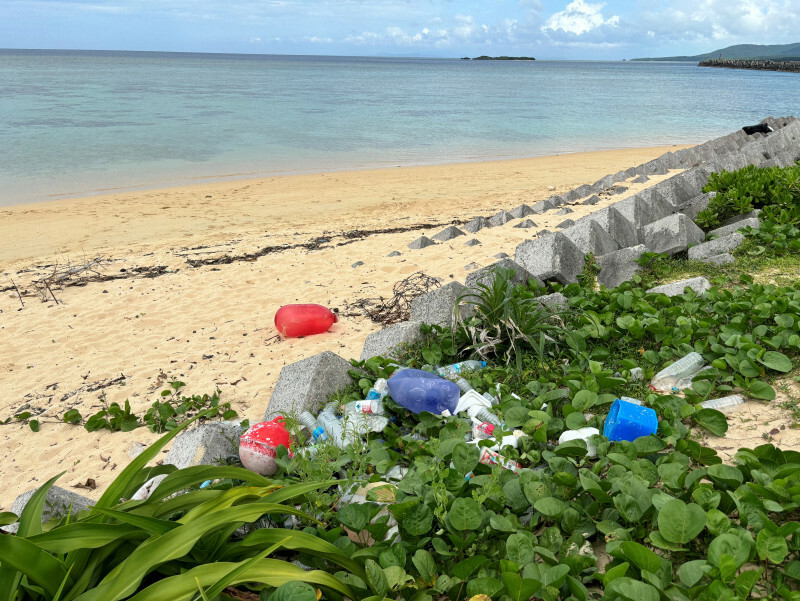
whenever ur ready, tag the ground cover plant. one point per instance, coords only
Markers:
(659, 518)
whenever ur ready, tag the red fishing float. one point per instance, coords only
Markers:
(257, 446)
(293, 321)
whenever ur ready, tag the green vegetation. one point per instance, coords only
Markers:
(743, 51)
(659, 518)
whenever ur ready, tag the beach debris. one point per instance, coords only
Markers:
(500, 218)
(357, 264)
(554, 257)
(473, 242)
(421, 242)
(389, 342)
(628, 421)
(725, 404)
(477, 224)
(581, 434)
(257, 446)
(527, 224)
(437, 306)
(298, 320)
(679, 374)
(619, 266)
(448, 233)
(397, 308)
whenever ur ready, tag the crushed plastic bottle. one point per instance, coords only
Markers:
(373, 403)
(457, 368)
(313, 426)
(477, 406)
(667, 379)
(483, 430)
(419, 391)
(336, 431)
(493, 458)
(724, 404)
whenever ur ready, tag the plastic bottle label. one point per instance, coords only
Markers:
(319, 433)
(489, 457)
(365, 406)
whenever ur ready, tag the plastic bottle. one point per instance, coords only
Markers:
(724, 404)
(308, 420)
(476, 406)
(457, 368)
(335, 430)
(373, 403)
(419, 391)
(668, 378)
(483, 430)
(293, 321)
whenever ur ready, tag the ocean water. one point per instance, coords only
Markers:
(75, 123)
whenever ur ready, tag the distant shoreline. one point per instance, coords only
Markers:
(499, 58)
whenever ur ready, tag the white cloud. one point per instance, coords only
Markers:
(579, 17)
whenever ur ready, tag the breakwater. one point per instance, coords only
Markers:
(757, 65)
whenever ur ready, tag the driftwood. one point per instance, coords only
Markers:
(398, 307)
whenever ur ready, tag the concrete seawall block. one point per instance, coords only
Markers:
(553, 257)
(448, 233)
(699, 285)
(58, 502)
(619, 266)
(437, 306)
(725, 230)
(476, 225)
(305, 385)
(716, 247)
(672, 234)
(389, 342)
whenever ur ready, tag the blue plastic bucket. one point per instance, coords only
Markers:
(626, 421)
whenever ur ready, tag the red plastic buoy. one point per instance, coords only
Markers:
(304, 320)
(257, 446)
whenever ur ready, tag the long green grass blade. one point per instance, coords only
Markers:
(126, 577)
(297, 540)
(270, 572)
(147, 524)
(30, 520)
(178, 504)
(295, 490)
(228, 499)
(34, 562)
(121, 486)
(232, 577)
(191, 476)
(82, 536)
(6, 518)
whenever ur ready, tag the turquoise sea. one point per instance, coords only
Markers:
(73, 123)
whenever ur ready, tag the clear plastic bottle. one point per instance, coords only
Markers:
(724, 404)
(457, 368)
(668, 378)
(335, 430)
(373, 403)
(313, 426)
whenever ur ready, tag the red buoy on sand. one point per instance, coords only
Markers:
(257, 446)
(293, 321)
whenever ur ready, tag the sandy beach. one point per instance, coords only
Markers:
(158, 313)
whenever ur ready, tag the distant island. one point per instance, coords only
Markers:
(774, 52)
(499, 58)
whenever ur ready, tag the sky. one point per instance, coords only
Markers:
(544, 29)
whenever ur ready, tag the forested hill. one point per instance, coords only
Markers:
(750, 51)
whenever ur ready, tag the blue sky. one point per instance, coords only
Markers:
(578, 29)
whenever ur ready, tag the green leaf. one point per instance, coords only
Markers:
(549, 506)
(776, 361)
(645, 445)
(376, 579)
(633, 590)
(679, 522)
(519, 548)
(761, 390)
(355, 516)
(418, 521)
(616, 572)
(465, 569)
(425, 565)
(17, 553)
(518, 588)
(294, 591)
(727, 568)
(746, 581)
(483, 586)
(465, 457)
(584, 399)
(730, 476)
(34, 425)
(642, 557)
(712, 420)
(465, 514)
(771, 547)
(691, 572)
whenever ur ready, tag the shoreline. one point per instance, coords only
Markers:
(159, 312)
(232, 175)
